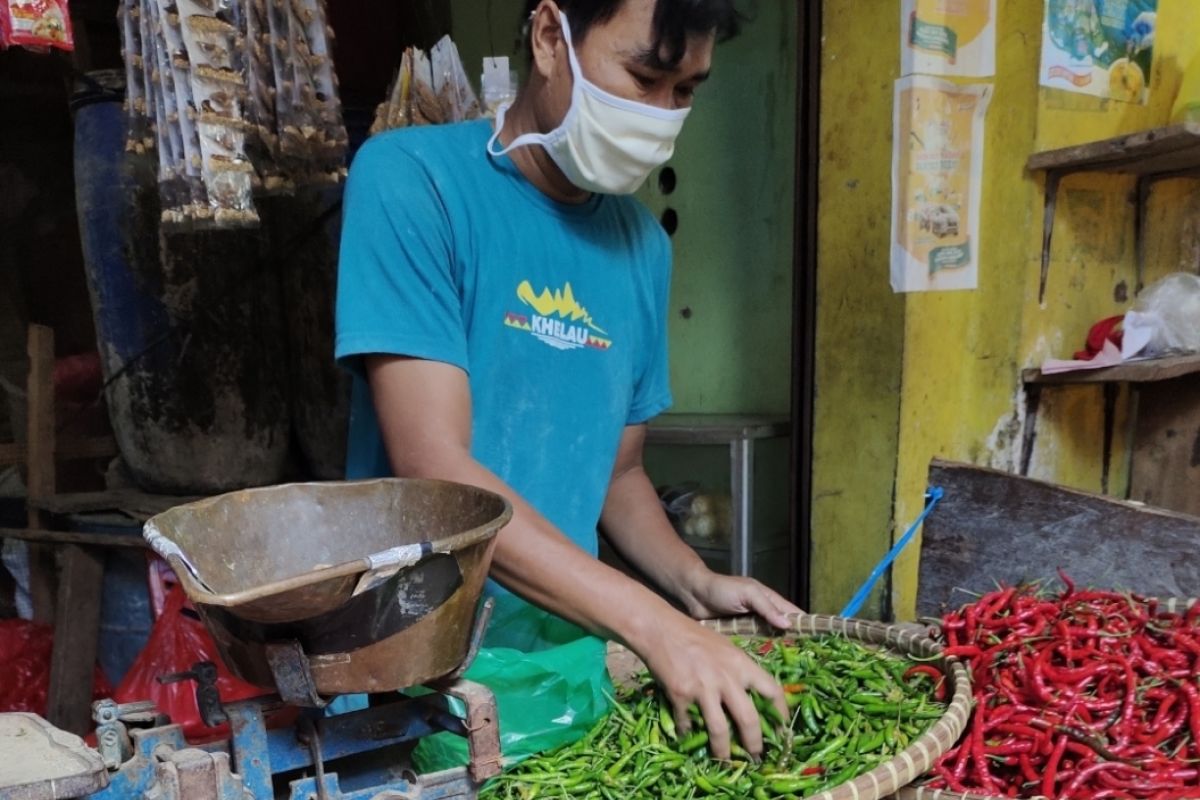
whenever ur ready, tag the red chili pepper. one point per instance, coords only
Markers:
(766, 647)
(934, 674)
(1050, 776)
(816, 769)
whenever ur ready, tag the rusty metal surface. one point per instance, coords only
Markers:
(275, 561)
(483, 728)
(40, 762)
(289, 668)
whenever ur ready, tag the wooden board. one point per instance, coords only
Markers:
(1148, 371)
(76, 631)
(130, 502)
(1175, 148)
(1166, 455)
(72, 537)
(994, 526)
(67, 449)
(40, 473)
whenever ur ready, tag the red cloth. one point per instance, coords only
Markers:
(25, 650)
(1108, 329)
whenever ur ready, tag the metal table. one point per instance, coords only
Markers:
(738, 432)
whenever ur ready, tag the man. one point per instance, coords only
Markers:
(506, 304)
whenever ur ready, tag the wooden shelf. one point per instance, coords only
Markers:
(1152, 155)
(1159, 151)
(1147, 371)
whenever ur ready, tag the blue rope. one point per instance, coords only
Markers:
(932, 497)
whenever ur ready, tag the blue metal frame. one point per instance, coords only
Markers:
(258, 754)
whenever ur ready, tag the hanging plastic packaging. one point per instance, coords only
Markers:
(1165, 319)
(36, 24)
(177, 643)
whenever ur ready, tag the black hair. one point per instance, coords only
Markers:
(674, 21)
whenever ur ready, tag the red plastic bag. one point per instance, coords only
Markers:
(25, 649)
(36, 24)
(177, 642)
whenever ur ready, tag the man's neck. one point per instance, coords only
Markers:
(533, 160)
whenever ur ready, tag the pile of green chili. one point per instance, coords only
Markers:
(852, 708)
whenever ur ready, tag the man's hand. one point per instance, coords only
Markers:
(715, 595)
(696, 665)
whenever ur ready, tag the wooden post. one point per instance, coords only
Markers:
(40, 476)
(73, 661)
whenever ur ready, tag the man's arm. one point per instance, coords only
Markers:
(424, 411)
(634, 522)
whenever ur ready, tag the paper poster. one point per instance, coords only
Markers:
(1099, 47)
(937, 172)
(948, 37)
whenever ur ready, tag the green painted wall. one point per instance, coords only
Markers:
(735, 165)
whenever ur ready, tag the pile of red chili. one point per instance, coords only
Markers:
(1087, 695)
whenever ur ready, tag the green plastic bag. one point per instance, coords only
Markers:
(549, 678)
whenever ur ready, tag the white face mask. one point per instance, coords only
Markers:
(605, 143)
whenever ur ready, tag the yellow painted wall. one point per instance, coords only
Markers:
(860, 323)
(962, 352)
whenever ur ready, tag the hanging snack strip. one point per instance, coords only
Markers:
(139, 137)
(176, 193)
(237, 96)
(317, 85)
(197, 207)
(262, 138)
(217, 86)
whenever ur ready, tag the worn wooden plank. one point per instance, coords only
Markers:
(1148, 371)
(76, 631)
(995, 526)
(137, 505)
(1174, 148)
(71, 537)
(40, 474)
(1166, 456)
(67, 450)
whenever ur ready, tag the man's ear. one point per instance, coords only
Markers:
(546, 37)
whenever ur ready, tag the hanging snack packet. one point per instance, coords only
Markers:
(425, 108)
(138, 138)
(454, 91)
(36, 24)
(499, 85)
(217, 88)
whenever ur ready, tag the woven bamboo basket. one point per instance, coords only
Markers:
(917, 792)
(885, 779)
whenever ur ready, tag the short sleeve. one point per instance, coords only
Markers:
(652, 392)
(397, 292)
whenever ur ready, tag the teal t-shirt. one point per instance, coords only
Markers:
(556, 312)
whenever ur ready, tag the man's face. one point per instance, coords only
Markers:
(617, 55)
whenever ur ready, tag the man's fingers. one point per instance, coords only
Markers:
(745, 716)
(683, 720)
(766, 686)
(717, 725)
(769, 606)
